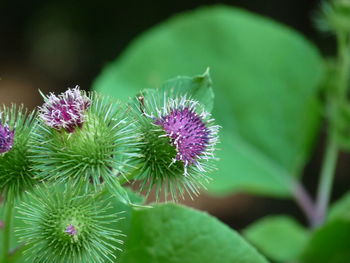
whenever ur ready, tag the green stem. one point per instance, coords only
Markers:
(303, 199)
(330, 159)
(130, 176)
(343, 64)
(8, 226)
(326, 181)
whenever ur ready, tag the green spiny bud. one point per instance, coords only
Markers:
(81, 143)
(68, 225)
(16, 128)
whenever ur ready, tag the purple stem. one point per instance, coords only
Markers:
(305, 202)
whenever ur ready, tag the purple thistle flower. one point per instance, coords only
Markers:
(6, 138)
(65, 111)
(71, 230)
(189, 132)
(2, 224)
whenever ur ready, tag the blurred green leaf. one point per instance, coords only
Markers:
(340, 209)
(329, 244)
(14, 238)
(135, 197)
(197, 87)
(280, 238)
(265, 77)
(171, 233)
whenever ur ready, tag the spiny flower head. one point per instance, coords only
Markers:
(68, 225)
(16, 168)
(94, 153)
(6, 138)
(179, 140)
(65, 111)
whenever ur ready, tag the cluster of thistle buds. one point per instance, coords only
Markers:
(74, 154)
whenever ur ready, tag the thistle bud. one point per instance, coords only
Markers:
(95, 144)
(68, 226)
(179, 140)
(16, 167)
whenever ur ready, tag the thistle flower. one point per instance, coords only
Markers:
(65, 111)
(16, 127)
(179, 140)
(71, 230)
(187, 132)
(93, 151)
(6, 138)
(68, 226)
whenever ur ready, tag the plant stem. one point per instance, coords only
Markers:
(304, 201)
(9, 207)
(326, 180)
(130, 176)
(343, 64)
(329, 162)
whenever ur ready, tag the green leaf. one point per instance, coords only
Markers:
(172, 234)
(329, 244)
(266, 80)
(280, 238)
(119, 191)
(340, 209)
(198, 87)
(18, 258)
(135, 197)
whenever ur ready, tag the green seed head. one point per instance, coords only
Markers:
(16, 171)
(68, 226)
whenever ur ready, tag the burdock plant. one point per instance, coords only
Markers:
(64, 166)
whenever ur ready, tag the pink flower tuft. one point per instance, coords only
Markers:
(187, 132)
(65, 111)
(6, 138)
(71, 230)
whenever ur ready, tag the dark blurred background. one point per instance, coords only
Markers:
(54, 44)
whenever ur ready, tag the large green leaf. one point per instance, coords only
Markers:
(340, 209)
(329, 244)
(15, 244)
(265, 82)
(280, 238)
(198, 88)
(174, 234)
